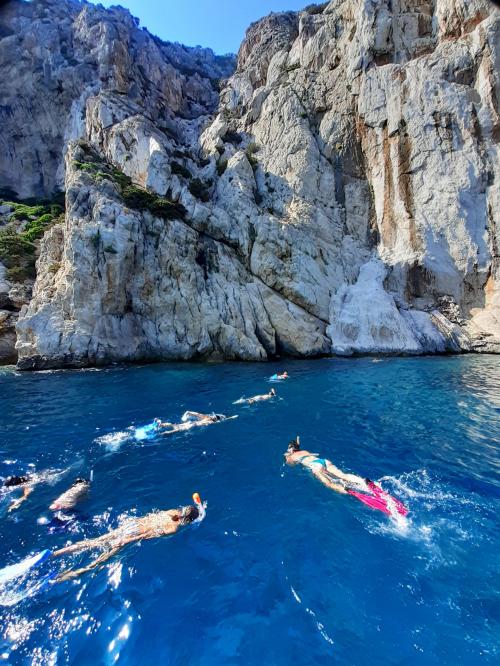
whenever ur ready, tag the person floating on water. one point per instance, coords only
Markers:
(191, 420)
(151, 526)
(256, 398)
(26, 482)
(71, 497)
(365, 490)
(280, 375)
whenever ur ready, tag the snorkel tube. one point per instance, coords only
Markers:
(201, 506)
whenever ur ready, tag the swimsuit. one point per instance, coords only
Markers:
(322, 462)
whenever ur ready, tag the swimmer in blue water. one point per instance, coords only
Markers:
(26, 483)
(151, 526)
(71, 497)
(193, 420)
(256, 398)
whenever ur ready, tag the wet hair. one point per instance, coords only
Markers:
(218, 417)
(12, 481)
(190, 513)
(272, 392)
(77, 482)
(294, 445)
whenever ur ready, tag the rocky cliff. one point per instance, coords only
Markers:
(339, 195)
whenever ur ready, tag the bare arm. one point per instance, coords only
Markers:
(15, 504)
(197, 415)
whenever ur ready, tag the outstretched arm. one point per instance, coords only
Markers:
(197, 415)
(15, 504)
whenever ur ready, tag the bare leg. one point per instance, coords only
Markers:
(80, 546)
(70, 574)
(326, 480)
(350, 478)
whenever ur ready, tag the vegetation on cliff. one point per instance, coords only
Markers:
(25, 222)
(134, 196)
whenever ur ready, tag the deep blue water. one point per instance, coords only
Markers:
(282, 570)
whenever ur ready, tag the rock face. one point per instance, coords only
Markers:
(342, 195)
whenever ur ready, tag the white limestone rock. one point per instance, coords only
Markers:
(342, 195)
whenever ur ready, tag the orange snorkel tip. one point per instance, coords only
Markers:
(196, 498)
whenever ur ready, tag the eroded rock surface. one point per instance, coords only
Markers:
(341, 197)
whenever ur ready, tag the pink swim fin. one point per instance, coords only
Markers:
(380, 500)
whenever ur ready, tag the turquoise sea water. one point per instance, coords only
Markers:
(282, 570)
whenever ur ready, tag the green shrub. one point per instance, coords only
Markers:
(17, 254)
(24, 212)
(36, 228)
(134, 197)
(316, 9)
(89, 167)
(18, 249)
(22, 272)
(119, 177)
(140, 199)
(110, 249)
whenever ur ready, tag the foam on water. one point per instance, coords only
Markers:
(113, 441)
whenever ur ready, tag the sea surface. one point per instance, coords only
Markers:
(282, 571)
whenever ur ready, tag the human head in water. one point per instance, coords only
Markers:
(294, 445)
(79, 481)
(187, 514)
(272, 392)
(12, 481)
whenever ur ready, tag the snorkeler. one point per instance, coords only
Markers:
(256, 398)
(26, 482)
(156, 524)
(70, 498)
(331, 476)
(192, 420)
(280, 375)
